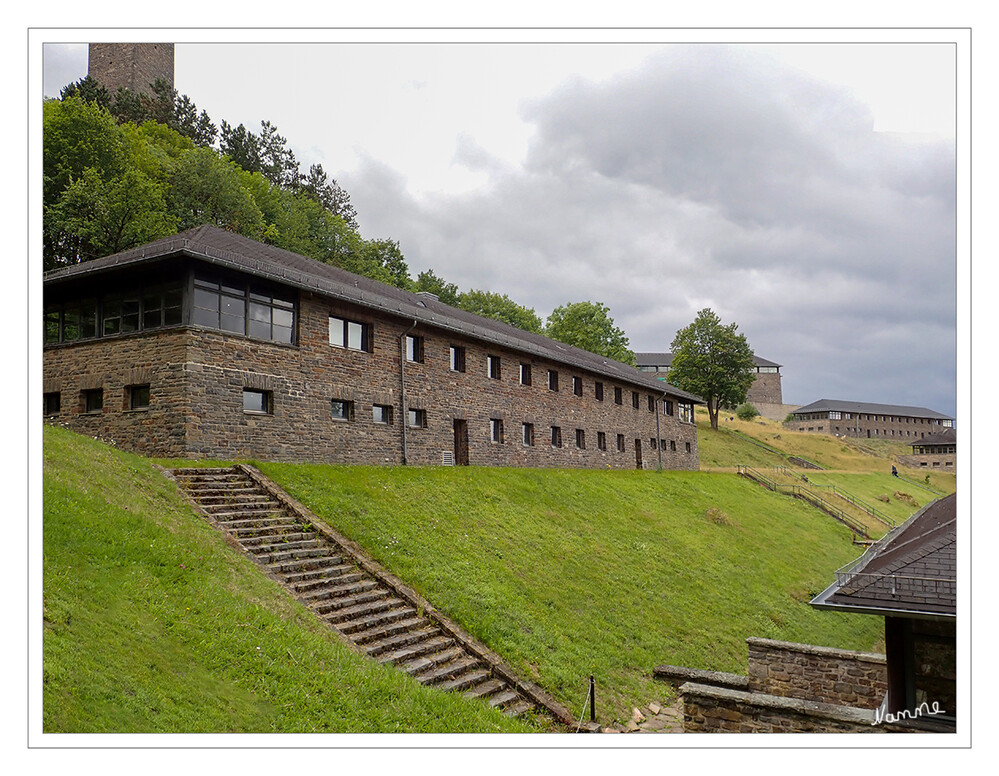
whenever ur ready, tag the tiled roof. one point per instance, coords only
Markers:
(835, 405)
(946, 437)
(911, 571)
(226, 249)
(666, 359)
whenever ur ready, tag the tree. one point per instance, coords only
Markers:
(327, 192)
(713, 361)
(500, 307)
(588, 325)
(446, 292)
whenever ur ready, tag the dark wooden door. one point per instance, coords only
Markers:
(638, 453)
(461, 443)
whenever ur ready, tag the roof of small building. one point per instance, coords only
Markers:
(946, 437)
(835, 405)
(910, 572)
(666, 359)
(227, 249)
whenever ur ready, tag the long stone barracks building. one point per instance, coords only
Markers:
(871, 421)
(210, 345)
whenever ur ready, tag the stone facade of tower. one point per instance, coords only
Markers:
(133, 66)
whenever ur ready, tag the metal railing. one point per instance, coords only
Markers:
(874, 512)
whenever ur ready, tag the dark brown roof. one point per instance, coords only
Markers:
(946, 437)
(835, 405)
(911, 572)
(226, 249)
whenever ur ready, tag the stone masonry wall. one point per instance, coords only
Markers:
(835, 676)
(133, 66)
(765, 389)
(197, 378)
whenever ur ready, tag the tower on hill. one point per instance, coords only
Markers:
(133, 66)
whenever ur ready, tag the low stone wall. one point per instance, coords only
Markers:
(833, 676)
(678, 676)
(709, 709)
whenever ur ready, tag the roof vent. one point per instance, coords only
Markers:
(428, 295)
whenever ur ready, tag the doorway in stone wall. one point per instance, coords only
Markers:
(638, 453)
(460, 442)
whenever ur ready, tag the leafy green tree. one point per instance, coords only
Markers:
(713, 361)
(208, 189)
(746, 411)
(381, 260)
(588, 325)
(327, 192)
(88, 89)
(501, 308)
(446, 292)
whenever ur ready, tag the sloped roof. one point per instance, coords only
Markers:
(227, 249)
(946, 437)
(666, 359)
(835, 405)
(911, 571)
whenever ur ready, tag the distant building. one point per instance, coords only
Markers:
(870, 421)
(132, 66)
(937, 450)
(764, 393)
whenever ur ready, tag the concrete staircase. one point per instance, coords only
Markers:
(370, 608)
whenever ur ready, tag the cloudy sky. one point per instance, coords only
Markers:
(805, 191)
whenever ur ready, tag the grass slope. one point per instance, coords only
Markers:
(152, 623)
(568, 573)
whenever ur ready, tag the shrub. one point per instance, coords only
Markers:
(746, 411)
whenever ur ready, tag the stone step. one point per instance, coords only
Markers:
(416, 650)
(330, 605)
(485, 689)
(502, 698)
(304, 553)
(517, 709)
(391, 628)
(240, 513)
(457, 663)
(402, 638)
(303, 581)
(310, 543)
(230, 496)
(339, 589)
(289, 567)
(466, 681)
(249, 506)
(279, 539)
(373, 621)
(344, 615)
(279, 527)
(280, 518)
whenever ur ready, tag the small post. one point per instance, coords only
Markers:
(593, 711)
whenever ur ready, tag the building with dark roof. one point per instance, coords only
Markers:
(910, 578)
(867, 420)
(934, 451)
(209, 344)
(765, 393)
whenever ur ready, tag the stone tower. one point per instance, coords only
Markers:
(134, 66)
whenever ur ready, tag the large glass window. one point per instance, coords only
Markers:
(255, 310)
(349, 334)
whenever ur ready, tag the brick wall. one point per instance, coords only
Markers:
(836, 676)
(197, 378)
(892, 427)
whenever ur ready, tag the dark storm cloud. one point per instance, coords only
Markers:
(713, 177)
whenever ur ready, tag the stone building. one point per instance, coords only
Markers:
(934, 451)
(764, 394)
(132, 66)
(871, 421)
(210, 345)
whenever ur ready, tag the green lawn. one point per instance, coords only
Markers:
(153, 624)
(568, 573)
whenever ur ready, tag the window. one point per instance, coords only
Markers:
(552, 380)
(457, 358)
(835, 416)
(577, 386)
(672, 445)
(236, 306)
(496, 431)
(620, 443)
(381, 413)
(350, 334)
(601, 440)
(635, 400)
(51, 402)
(687, 446)
(686, 412)
(414, 349)
(493, 363)
(667, 407)
(120, 313)
(652, 403)
(93, 400)
(342, 410)
(528, 429)
(652, 443)
(598, 391)
(525, 374)
(662, 444)
(138, 397)
(618, 398)
(580, 439)
(417, 418)
(556, 436)
(258, 402)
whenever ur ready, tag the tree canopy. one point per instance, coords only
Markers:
(713, 361)
(500, 307)
(588, 325)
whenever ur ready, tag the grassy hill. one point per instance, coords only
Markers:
(152, 622)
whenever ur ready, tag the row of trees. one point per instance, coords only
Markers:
(124, 169)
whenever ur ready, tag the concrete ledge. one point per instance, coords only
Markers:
(811, 649)
(678, 675)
